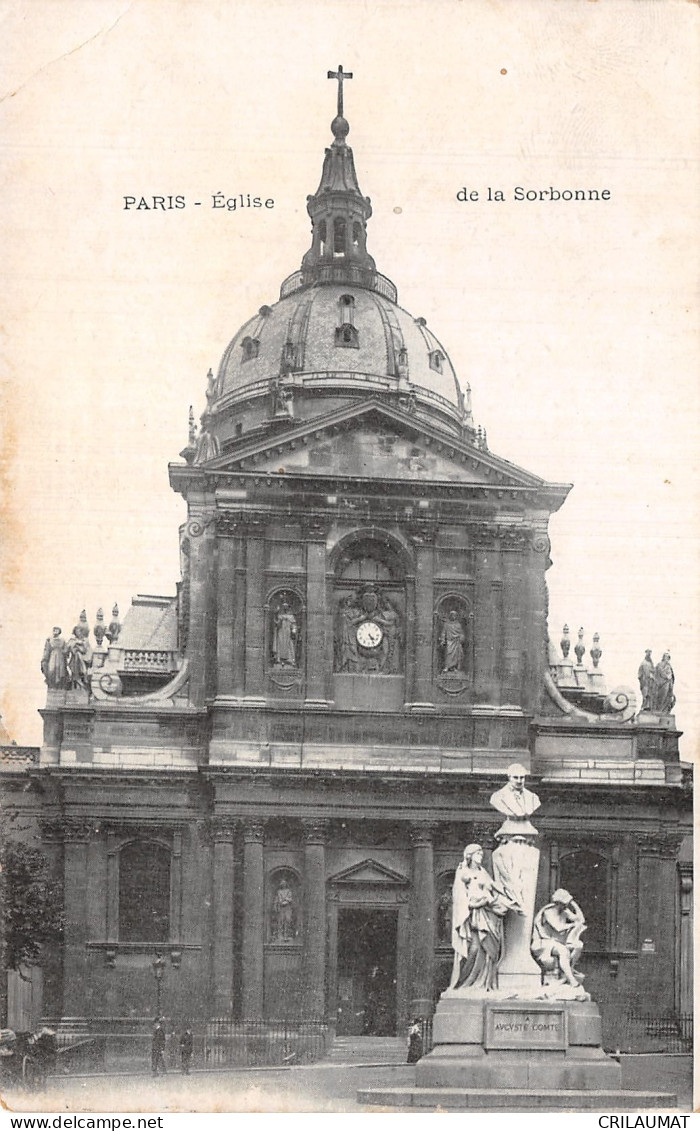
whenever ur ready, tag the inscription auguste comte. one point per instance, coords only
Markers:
(527, 1026)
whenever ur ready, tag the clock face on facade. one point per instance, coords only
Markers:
(369, 634)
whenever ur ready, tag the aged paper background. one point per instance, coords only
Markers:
(575, 324)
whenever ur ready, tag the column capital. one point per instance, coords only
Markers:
(423, 834)
(315, 832)
(253, 830)
(222, 829)
(246, 524)
(422, 534)
(77, 830)
(663, 845)
(314, 528)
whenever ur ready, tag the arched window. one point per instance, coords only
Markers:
(144, 892)
(585, 875)
(356, 233)
(339, 236)
(322, 235)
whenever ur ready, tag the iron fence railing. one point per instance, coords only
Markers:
(653, 1032)
(256, 1042)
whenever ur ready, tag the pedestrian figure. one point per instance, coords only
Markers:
(158, 1048)
(186, 1042)
(415, 1041)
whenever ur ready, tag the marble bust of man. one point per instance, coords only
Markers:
(515, 802)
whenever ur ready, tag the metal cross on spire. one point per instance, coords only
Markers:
(340, 75)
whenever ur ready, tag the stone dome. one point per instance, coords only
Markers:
(331, 334)
(336, 333)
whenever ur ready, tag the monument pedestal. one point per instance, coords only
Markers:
(516, 1043)
(500, 1053)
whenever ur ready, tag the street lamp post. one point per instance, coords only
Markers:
(158, 970)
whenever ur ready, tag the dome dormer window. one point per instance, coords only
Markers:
(436, 358)
(250, 348)
(346, 333)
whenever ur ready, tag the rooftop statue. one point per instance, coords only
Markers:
(662, 698)
(645, 675)
(79, 653)
(53, 662)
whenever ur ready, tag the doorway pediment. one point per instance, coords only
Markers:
(368, 871)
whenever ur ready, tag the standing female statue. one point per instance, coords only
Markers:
(479, 906)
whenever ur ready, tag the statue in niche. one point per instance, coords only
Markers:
(79, 653)
(285, 634)
(452, 637)
(444, 917)
(283, 914)
(54, 661)
(556, 943)
(645, 675)
(479, 907)
(662, 698)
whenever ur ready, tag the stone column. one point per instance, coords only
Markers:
(76, 835)
(318, 658)
(486, 619)
(200, 634)
(422, 922)
(513, 643)
(421, 693)
(685, 991)
(239, 611)
(537, 561)
(225, 614)
(222, 895)
(314, 959)
(255, 613)
(253, 959)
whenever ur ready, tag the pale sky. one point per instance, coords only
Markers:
(575, 324)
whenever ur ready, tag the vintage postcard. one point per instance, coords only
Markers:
(350, 556)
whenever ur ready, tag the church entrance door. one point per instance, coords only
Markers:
(367, 972)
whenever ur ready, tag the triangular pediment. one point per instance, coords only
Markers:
(372, 440)
(368, 872)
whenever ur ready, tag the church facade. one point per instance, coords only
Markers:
(264, 783)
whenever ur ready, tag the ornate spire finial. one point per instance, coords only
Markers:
(192, 429)
(580, 648)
